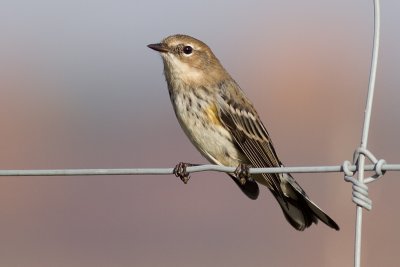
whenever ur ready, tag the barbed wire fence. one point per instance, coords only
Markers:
(350, 169)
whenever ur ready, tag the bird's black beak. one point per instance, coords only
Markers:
(162, 48)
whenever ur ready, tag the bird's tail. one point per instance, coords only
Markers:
(298, 209)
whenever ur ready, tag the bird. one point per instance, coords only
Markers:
(223, 124)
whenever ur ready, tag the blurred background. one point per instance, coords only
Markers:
(80, 89)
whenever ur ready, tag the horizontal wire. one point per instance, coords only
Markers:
(192, 169)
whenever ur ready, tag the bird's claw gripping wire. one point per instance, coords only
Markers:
(181, 172)
(360, 188)
(242, 172)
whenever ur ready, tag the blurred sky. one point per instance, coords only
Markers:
(80, 89)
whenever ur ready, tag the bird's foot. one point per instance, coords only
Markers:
(180, 171)
(242, 172)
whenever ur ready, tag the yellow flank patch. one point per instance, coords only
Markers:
(212, 114)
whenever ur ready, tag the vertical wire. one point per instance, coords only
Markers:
(364, 138)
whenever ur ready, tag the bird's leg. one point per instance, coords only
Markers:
(242, 172)
(180, 171)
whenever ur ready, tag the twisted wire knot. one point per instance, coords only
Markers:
(360, 188)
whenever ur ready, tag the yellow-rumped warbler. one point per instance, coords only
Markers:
(223, 125)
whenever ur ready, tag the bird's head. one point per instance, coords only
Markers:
(189, 60)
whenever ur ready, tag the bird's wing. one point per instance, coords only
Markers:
(249, 133)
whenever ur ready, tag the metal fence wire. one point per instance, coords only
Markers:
(350, 169)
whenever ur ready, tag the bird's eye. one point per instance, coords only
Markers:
(187, 49)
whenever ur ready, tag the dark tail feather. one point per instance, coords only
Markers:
(298, 209)
(301, 213)
(250, 188)
(322, 216)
